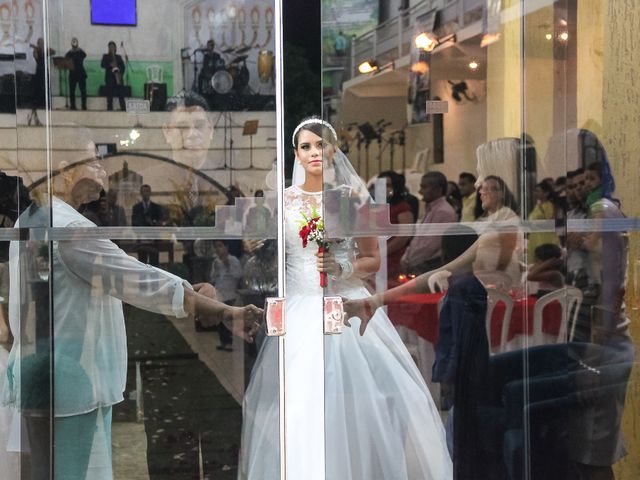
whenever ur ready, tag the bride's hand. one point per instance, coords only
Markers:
(363, 308)
(326, 262)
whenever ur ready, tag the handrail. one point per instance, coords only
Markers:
(381, 44)
(366, 45)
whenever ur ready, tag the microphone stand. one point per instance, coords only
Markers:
(403, 143)
(127, 64)
(392, 142)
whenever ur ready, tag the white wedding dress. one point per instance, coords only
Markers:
(361, 400)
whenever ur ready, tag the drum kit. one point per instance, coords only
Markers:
(228, 72)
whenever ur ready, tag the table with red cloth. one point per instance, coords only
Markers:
(419, 313)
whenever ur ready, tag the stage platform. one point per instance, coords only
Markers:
(138, 140)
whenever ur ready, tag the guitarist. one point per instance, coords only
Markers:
(113, 75)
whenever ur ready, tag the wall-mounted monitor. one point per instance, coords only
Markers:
(114, 12)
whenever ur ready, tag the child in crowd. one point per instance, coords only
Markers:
(547, 269)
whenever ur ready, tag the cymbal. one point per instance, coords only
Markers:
(239, 58)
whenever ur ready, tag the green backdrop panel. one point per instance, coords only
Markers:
(135, 75)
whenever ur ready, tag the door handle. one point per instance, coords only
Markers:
(274, 311)
(333, 315)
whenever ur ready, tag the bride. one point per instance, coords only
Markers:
(358, 399)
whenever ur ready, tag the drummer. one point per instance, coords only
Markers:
(211, 63)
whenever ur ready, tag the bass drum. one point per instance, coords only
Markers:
(222, 82)
(266, 62)
(240, 75)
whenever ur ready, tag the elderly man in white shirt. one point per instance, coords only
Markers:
(85, 359)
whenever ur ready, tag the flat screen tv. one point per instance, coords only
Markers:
(114, 12)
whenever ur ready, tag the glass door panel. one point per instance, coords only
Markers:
(155, 197)
(26, 416)
(502, 301)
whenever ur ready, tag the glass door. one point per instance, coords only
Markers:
(483, 246)
(142, 148)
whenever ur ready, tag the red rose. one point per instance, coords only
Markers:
(304, 235)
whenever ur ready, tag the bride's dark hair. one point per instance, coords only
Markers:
(315, 127)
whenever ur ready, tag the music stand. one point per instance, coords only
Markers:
(250, 128)
(368, 134)
(64, 64)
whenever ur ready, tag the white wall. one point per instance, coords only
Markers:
(156, 37)
(464, 129)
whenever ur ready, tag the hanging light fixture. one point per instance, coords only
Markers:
(426, 41)
(368, 66)
(489, 38)
(372, 66)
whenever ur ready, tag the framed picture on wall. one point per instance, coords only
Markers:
(114, 12)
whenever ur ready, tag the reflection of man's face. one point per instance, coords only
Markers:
(189, 135)
(92, 170)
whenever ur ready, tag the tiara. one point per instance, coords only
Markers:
(310, 121)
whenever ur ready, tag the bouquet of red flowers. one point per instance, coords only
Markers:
(312, 229)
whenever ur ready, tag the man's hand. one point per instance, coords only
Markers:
(244, 321)
(206, 289)
(363, 308)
